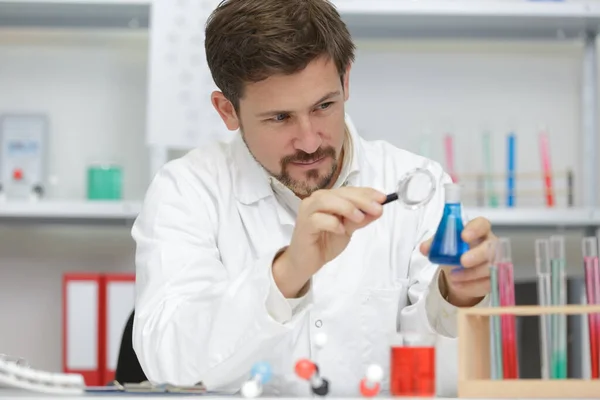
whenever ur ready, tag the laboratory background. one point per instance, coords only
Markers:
(95, 96)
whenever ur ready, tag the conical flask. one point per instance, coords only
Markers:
(448, 245)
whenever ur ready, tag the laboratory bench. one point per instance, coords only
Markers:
(22, 395)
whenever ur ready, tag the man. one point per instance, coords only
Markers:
(246, 250)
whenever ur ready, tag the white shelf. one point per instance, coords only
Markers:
(388, 18)
(538, 218)
(99, 212)
(92, 212)
(75, 13)
(469, 18)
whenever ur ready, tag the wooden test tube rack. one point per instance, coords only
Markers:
(474, 379)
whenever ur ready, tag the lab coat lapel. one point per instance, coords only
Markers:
(256, 201)
(286, 220)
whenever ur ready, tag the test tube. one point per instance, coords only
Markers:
(507, 298)
(495, 335)
(489, 179)
(503, 254)
(596, 285)
(542, 265)
(558, 298)
(449, 149)
(592, 286)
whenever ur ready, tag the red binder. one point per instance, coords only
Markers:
(83, 329)
(119, 301)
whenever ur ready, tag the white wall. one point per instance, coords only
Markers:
(92, 85)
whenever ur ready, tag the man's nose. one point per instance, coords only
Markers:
(307, 138)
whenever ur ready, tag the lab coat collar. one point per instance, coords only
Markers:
(351, 168)
(251, 182)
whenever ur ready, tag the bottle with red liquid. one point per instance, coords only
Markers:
(412, 365)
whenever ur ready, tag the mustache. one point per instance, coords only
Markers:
(303, 157)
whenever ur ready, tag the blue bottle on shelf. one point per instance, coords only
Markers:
(448, 245)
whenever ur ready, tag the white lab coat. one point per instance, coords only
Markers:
(207, 307)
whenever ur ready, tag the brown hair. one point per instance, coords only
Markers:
(250, 40)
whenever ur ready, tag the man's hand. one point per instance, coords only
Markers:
(466, 287)
(325, 223)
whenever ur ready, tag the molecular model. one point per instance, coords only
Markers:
(308, 370)
(371, 383)
(259, 376)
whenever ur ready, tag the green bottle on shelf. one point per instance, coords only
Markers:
(104, 182)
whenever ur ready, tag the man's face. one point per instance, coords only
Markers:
(294, 125)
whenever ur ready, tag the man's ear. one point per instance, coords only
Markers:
(346, 82)
(225, 110)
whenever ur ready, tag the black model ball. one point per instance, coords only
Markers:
(323, 389)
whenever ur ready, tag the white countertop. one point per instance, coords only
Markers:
(21, 395)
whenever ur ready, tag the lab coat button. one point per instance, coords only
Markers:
(318, 323)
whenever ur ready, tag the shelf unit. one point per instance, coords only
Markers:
(469, 19)
(124, 213)
(479, 19)
(426, 19)
(539, 218)
(70, 212)
(83, 14)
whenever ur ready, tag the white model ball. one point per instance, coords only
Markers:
(320, 340)
(374, 373)
(250, 389)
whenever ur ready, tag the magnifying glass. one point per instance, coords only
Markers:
(415, 189)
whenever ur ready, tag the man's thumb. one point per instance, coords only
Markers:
(425, 246)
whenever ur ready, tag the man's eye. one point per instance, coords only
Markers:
(325, 106)
(280, 117)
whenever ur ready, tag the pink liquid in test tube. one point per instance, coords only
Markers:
(592, 287)
(507, 299)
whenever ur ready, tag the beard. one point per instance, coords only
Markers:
(314, 179)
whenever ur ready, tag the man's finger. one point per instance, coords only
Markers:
(328, 203)
(350, 226)
(358, 193)
(480, 254)
(476, 229)
(469, 274)
(347, 202)
(322, 222)
(477, 288)
(366, 199)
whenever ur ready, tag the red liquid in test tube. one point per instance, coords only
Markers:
(592, 286)
(590, 269)
(506, 288)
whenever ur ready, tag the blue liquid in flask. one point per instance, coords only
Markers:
(448, 245)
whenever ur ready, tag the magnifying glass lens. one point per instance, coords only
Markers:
(416, 188)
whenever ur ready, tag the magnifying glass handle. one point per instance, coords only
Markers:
(390, 197)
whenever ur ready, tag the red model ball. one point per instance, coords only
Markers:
(368, 389)
(305, 369)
